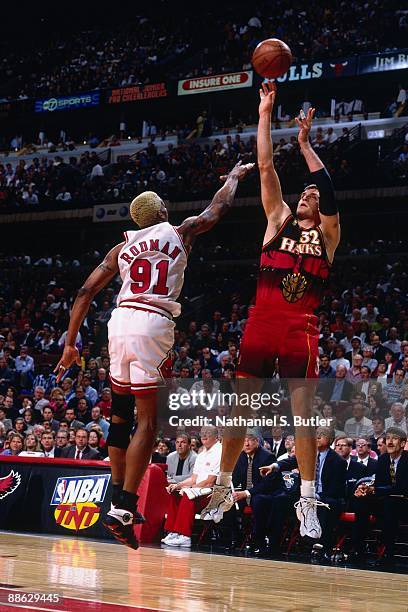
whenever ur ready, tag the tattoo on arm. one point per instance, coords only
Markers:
(82, 292)
(104, 266)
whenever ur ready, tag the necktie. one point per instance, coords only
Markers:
(249, 473)
(392, 472)
(317, 473)
(77, 454)
(275, 449)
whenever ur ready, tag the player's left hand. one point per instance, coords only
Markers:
(69, 356)
(239, 171)
(238, 495)
(304, 123)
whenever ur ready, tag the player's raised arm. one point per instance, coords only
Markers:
(97, 280)
(328, 211)
(220, 204)
(275, 208)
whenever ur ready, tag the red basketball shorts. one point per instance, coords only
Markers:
(292, 337)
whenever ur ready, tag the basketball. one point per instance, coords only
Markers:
(271, 58)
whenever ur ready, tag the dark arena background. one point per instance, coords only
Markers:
(101, 103)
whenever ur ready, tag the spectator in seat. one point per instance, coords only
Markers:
(79, 394)
(161, 452)
(48, 445)
(364, 455)
(387, 497)
(382, 445)
(180, 463)
(98, 419)
(379, 431)
(67, 386)
(338, 389)
(325, 369)
(353, 375)
(363, 385)
(208, 361)
(101, 381)
(393, 391)
(61, 439)
(48, 416)
(183, 360)
(6, 376)
(378, 348)
(355, 470)
(339, 358)
(24, 369)
(181, 512)
(95, 442)
(355, 349)
(393, 343)
(20, 426)
(368, 359)
(6, 422)
(105, 403)
(398, 417)
(31, 444)
(11, 411)
(80, 449)
(91, 394)
(16, 444)
(277, 441)
(358, 425)
(83, 412)
(73, 423)
(265, 494)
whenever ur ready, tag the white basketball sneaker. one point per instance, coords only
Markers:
(221, 501)
(306, 511)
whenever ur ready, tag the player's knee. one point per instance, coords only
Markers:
(119, 434)
(123, 406)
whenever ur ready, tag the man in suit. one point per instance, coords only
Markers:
(331, 479)
(355, 470)
(363, 456)
(265, 495)
(181, 462)
(277, 441)
(81, 448)
(387, 497)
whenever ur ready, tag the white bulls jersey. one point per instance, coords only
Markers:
(151, 265)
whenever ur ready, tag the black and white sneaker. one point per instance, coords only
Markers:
(120, 523)
(306, 511)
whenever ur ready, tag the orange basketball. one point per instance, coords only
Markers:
(272, 58)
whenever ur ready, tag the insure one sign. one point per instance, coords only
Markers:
(216, 82)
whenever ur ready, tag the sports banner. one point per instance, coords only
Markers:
(383, 62)
(136, 93)
(217, 82)
(82, 100)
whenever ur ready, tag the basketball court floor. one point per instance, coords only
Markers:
(85, 576)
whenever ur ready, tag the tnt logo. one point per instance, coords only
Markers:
(76, 499)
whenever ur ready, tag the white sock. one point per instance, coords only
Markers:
(224, 479)
(307, 488)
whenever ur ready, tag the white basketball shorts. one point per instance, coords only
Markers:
(139, 346)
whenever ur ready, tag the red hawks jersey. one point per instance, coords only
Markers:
(151, 265)
(293, 268)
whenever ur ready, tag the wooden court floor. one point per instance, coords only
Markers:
(103, 577)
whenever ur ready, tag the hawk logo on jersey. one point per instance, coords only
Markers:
(294, 287)
(309, 244)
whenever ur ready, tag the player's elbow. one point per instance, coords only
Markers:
(265, 165)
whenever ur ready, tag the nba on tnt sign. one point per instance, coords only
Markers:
(76, 499)
(216, 82)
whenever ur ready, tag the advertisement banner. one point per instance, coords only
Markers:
(137, 92)
(383, 62)
(111, 212)
(67, 102)
(217, 82)
(320, 70)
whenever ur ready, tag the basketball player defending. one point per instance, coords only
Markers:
(151, 262)
(295, 262)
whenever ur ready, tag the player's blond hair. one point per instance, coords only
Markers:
(144, 208)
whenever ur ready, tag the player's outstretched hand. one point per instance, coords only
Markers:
(267, 93)
(239, 171)
(69, 356)
(304, 124)
(266, 469)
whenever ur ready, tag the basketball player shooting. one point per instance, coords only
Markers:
(295, 262)
(151, 263)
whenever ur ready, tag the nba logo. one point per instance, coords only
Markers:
(61, 487)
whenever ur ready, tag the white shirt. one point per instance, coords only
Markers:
(341, 361)
(208, 462)
(391, 423)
